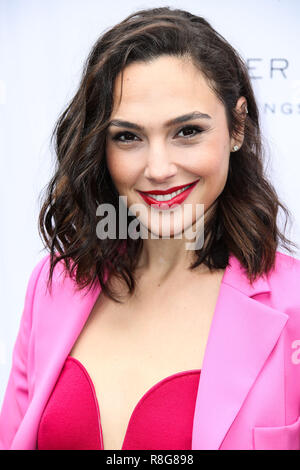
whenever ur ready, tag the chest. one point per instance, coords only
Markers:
(127, 348)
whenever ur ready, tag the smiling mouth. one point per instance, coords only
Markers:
(168, 197)
(165, 201)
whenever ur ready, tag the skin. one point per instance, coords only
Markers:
(162, 157)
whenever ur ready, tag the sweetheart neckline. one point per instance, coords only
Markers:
(140, 401)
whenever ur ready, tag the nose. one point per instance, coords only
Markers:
(159, 165)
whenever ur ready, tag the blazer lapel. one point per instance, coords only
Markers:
(243, 333)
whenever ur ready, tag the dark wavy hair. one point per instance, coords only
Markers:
(244, 221)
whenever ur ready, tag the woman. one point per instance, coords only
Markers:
(142, 341)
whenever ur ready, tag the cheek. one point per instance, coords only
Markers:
(211, 158)
(210, 165)
(122, 169)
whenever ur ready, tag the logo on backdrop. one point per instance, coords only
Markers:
(276, 70)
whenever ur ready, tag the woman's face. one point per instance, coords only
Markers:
(151, 154)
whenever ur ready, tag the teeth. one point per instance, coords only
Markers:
(167, 197)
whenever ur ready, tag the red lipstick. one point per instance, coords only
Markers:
(167, 191)
(178, 199)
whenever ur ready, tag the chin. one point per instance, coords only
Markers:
(177, 228)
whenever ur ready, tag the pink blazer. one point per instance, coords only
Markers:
(249, 391)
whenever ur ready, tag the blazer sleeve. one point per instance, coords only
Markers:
(15, 402)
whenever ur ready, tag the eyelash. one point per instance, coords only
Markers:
(194, 128)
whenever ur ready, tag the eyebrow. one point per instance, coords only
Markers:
(171, 122)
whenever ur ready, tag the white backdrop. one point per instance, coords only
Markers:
(43, 47)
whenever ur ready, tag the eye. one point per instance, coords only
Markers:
(195, 129)
(129, 136)
(126, 134)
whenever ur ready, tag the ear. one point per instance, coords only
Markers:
(241, 109)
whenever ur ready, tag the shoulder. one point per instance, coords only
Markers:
(62, 287)
(283, 259)
(280, 287)
(42, 269)
(38, 286)
(284, 282)
(286, 271)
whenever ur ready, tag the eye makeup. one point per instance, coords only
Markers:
(194, 128)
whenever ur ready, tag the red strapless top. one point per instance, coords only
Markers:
(162, 418)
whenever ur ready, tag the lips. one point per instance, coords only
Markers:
(166, 204)
(167, 191)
